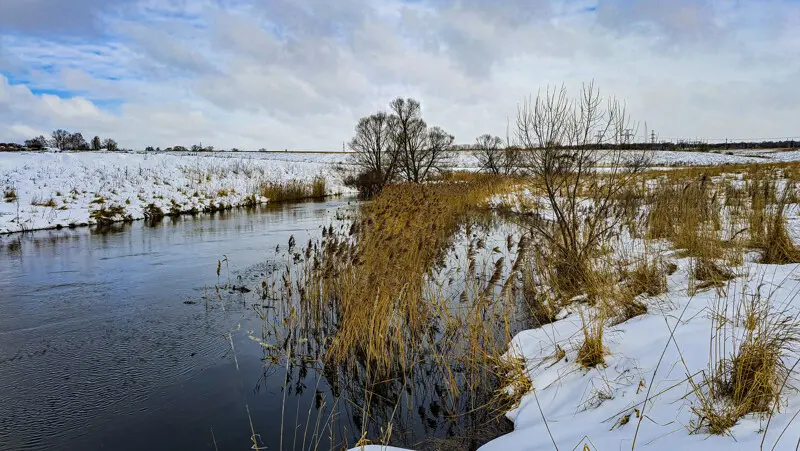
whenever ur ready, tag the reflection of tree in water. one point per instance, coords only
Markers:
(441, 395)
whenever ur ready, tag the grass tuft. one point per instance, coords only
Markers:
(592, 352)
(10, 194)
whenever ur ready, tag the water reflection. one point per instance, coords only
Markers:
(441, 397)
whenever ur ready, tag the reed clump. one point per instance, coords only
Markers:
(108, 214)
(318, 187)
(647, 278)
(770, 234)
(592, 352)
(687, 214)
(9, 194)
(751, 378)
(379, 280)
(51, 203)
(514, 382)
(293, 190)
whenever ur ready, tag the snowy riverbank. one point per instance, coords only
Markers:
(46, 190)
(646, 376)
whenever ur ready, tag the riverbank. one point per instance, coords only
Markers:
(680, 332)
(54, 190)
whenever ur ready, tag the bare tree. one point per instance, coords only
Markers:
(435, 153)
(567, 141)
(96, 143)
(60, 139)
(420, 150)
(375, 150)
(488, 150)
(75, 141)
(495, 156)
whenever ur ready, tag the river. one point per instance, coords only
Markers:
(117, 339)
(144, 336)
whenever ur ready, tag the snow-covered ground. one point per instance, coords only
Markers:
(669, 158)
(60, 189)
(601, 408)
(44, 190)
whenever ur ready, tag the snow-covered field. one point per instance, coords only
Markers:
(668, 158)
(44, 190)
(61, 189)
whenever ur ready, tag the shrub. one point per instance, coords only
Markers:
(10, 194)
(368, 183)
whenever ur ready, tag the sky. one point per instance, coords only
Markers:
(297, 74)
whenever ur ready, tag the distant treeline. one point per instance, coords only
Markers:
(694, 146)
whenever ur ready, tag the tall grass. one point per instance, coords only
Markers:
(375, 293)
(379, 280)
(293, 190)
(751, 337)
(376, 301)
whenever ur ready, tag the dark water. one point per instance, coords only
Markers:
(117, 339)
(127, 339)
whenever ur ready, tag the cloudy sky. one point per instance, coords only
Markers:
(298, 73)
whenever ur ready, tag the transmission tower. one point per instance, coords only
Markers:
(627, 135)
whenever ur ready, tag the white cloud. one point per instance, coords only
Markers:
(298, 74)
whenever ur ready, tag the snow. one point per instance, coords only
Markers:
(78, 182)
(586, 407)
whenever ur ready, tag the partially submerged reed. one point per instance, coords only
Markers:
(379, 280)
(374, 284)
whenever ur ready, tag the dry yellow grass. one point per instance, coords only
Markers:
(592, 352)
(751, 378)
(379, 280)
(293, 190)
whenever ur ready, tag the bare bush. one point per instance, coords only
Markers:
(568, 151)
(495, 156)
